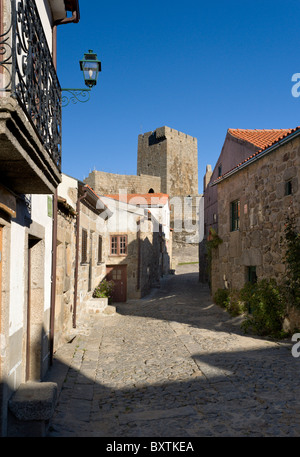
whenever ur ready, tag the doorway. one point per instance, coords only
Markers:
(118, 274)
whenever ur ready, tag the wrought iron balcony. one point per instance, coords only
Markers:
(30, 103)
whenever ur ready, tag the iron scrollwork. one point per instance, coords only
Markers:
(5, 59)
(34, 80)
(75, 95)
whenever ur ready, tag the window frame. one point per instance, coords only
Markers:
(100, 250)
(84, 245)
(288, 188)
(119, 247)
(235, 215)
(219, 170)
(251, 274)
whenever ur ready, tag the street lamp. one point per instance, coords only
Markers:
(90, 66)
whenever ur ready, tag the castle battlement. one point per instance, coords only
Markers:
(167, 132)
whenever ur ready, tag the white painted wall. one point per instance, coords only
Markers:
(124, 216)
(46, 18)
(162, 215)
(18, 269)
(39, 214)
(67, 183)
(17, 278)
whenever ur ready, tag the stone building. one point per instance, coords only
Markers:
(30, 164)
(239, 144)
(167, 162)
(157, 206)
(106, 238)
(80, 264)
(254, 200)
(144, 230)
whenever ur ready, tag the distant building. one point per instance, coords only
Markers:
(167, 162)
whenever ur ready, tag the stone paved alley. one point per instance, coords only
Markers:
(175, 365)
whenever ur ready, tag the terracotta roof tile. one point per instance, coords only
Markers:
(141, 199)
(260, 138)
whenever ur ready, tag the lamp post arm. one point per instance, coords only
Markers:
(75, 95)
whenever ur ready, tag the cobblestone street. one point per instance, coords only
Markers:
(175, 365)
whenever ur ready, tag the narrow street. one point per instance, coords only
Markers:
(175, 365)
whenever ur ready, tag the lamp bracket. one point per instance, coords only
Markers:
(75, 95)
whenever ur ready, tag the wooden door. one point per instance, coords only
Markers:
(118, 274)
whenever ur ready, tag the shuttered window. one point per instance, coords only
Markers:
(84, 238)
(99, 249)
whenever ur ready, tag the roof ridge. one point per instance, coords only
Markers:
(260, 150)
(260, 130)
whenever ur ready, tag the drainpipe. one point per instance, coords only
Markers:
(139, 253)
(77, 255)
(53, 274)
(54, 239)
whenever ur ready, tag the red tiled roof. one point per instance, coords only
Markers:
(141, 199)
(92, 190)
(260, 138)
(95, 195)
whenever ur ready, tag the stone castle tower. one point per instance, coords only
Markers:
(173, 156)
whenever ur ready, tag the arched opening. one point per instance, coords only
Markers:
(151, 191)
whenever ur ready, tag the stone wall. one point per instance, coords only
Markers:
(108, 183)
(66, 243)
(264, 206)
(90, 273)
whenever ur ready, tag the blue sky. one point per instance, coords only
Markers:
(196, 66)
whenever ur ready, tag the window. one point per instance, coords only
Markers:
(118, 245)
(234, 215)
(84, 238)
(117, 275)
(219, 170)
(123, 244)
(252, 277)
(114, 245)
(99, 249)
(288, 188)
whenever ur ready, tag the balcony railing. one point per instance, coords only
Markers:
(28, 74)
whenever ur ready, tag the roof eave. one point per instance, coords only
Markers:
(60, 8)
(256, 157)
